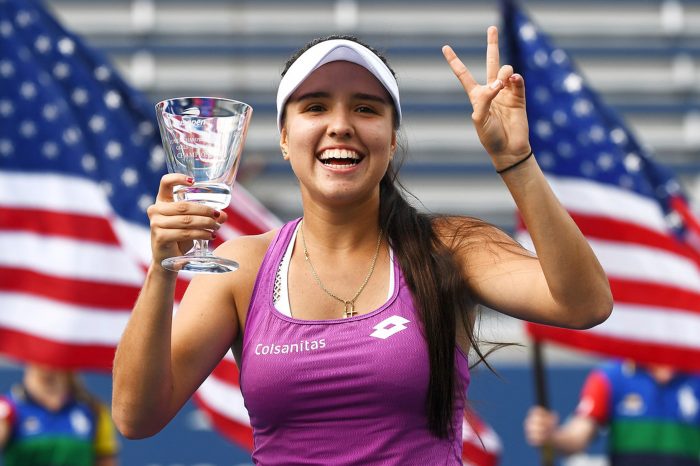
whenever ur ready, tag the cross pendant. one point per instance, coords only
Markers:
(349, 309)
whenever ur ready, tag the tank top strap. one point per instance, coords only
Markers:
(265, 280)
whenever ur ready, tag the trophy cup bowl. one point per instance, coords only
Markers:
(203, 138)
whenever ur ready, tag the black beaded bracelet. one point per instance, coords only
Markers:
(503, 170)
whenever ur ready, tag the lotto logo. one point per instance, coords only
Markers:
(389, 327)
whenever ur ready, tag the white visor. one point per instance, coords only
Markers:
(335, 50)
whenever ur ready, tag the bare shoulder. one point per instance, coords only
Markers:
(251, 247)
(248, 251)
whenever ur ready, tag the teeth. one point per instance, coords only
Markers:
(339, 154)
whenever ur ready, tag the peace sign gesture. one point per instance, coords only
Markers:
(499, 105)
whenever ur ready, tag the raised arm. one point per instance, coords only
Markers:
(565, 284)
(159, 364)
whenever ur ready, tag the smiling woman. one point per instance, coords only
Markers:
(389, 293)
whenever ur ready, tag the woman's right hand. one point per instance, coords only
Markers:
(174, 225)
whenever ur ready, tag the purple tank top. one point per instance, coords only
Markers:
(341, 392)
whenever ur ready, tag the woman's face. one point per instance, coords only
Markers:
(338, 133)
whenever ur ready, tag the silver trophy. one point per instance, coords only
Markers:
(203, 138)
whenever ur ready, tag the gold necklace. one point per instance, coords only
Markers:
(349, 303)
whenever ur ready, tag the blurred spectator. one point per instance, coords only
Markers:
(652, 415)
(50, 419)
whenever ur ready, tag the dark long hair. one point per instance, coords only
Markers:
(433, 274)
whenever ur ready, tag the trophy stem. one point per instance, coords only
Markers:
(201, 247)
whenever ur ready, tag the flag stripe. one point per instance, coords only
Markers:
(474, 454)
(609, 229)
(642, 288)
(134, 239)
(684, 210)
(640, 263)
(52, 223)
(52, 191)
(224, 398)
(69, 258)
(60, 322)
(661, 325)
(240, 433)
(213, 397)
(647, 264)
(227, 371)
(227, 232)
(583, 196)
(481, 446)
(655, 295)
(69, 290)
(682, 357)
(30, 347)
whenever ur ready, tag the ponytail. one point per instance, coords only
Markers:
(440, 292)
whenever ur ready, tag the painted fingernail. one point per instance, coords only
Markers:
(189, 179)
(213, 234)
(496, 84)
(217, 214)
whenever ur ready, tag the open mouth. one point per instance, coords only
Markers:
(339, 158)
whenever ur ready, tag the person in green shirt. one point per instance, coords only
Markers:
(50, 419)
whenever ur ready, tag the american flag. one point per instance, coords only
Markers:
(631, 208)
(80, 161)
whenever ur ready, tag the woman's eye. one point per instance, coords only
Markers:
(314, 108)
(365, 109)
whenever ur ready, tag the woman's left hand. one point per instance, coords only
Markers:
(499, 105)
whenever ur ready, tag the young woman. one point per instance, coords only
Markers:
(351, 326)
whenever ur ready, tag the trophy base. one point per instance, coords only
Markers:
(200, 264)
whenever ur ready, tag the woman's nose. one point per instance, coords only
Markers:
(340, 124)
